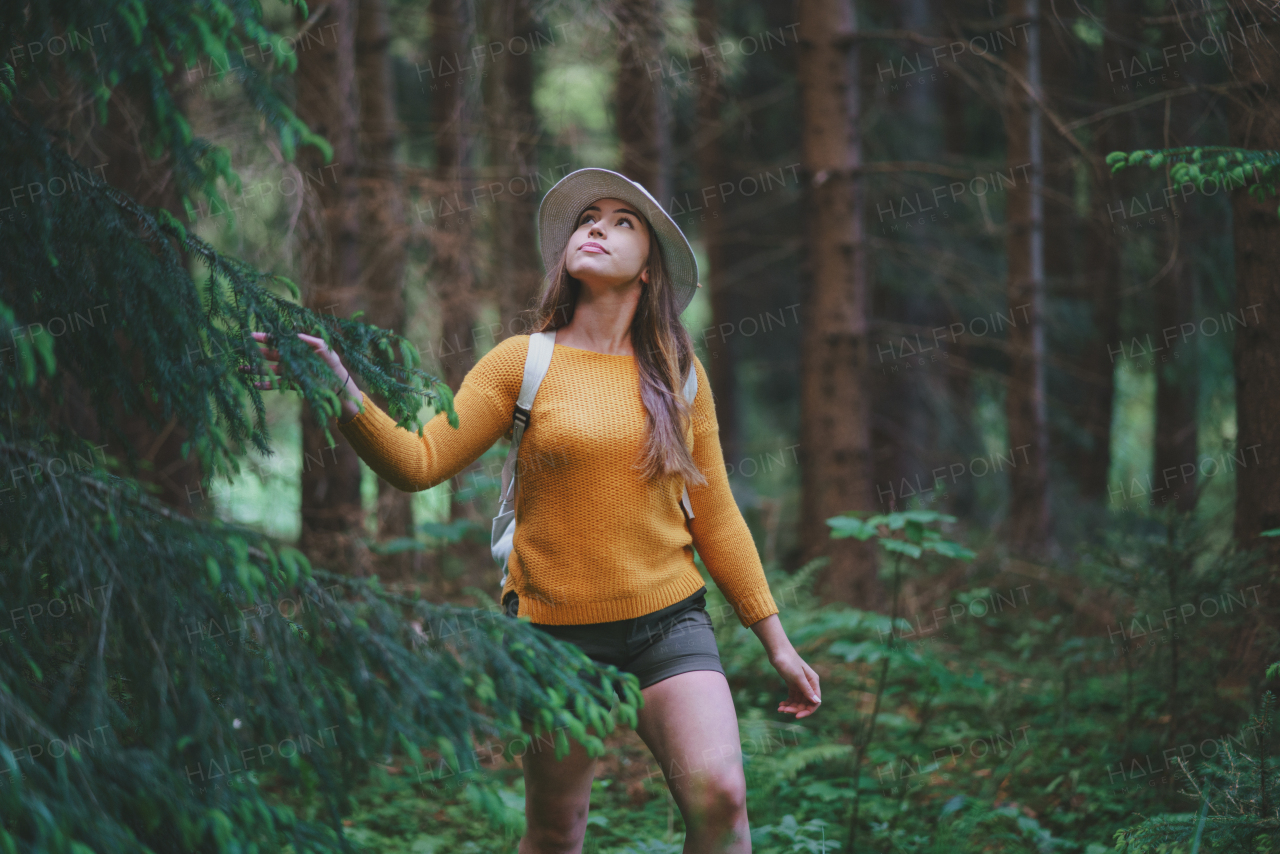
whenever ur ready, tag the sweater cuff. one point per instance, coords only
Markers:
(365, 423)
(755, 607)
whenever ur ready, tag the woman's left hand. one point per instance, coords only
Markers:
(803, 694)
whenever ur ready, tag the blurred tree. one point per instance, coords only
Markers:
(1026, 407)
(1177, 371)
(451, 233)
(513, 152)
(641, 110)
(835, 417)
(709, 154)
(329, 234)
(903, 435)
(383, 233)
(1102, 259)
(1254, 121)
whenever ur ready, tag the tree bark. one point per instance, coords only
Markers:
(1177, 389)
(1103, 259)
(451, 270)
(514, 134)
(1254, 122)
(1025, 404)
(383, 235)
(160, 463)
(332, 516)
(642, 117)
(1177, 372)
(835, 413)
(708, 152)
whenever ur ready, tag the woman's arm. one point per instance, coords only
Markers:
(720, 534)
(484, 404)
(722, 537)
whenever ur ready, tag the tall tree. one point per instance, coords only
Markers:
(451, 235)
(513, 152)
(1102, 254)
(959, 365)
(709, 155)
(1254, 122)
(148, 443)
(1177, 370)
(643, 121)
(835, 417)
(329, 234)
(1025, 403)
(383, 234)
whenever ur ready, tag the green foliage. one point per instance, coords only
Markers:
(904, 532)
(998, 730)
(161, 673)
(1199, 165)
(1239, 809)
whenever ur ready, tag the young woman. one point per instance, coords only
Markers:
(603, 552)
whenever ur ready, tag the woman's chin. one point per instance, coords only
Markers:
(595, 277)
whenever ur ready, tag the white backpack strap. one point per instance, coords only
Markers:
(690, 392)
(536, 363)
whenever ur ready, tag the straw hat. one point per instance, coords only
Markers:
(557, 220)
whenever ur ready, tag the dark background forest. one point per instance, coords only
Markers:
(1048, 378)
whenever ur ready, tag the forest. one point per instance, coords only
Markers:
(984, 308)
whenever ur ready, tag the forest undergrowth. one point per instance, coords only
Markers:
(1017, 707)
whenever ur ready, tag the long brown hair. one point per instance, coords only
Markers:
(664, 354)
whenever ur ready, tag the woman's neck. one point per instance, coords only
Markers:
(602, 322)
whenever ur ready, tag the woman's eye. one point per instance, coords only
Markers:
(626, 222)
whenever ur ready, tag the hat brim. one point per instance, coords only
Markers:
(558, 214)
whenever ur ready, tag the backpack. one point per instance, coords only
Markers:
(536, 362)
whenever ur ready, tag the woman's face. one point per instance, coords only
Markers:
(610, 244)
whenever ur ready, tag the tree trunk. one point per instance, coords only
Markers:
(835, 416)
(1025, 405)
(1176, 386)
(709, 155)
(514, 134)
(959, 363)
(642, 116)
(1103, 260)
(158, 451)
(900, 427)
(1177, 372)
(382, 234)
(451, 271)
(332, 517)
(1254, 122)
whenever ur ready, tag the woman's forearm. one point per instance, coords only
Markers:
(770, 632)
(351, 400)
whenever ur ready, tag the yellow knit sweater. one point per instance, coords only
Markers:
(594, 542)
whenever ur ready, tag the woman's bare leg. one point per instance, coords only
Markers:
(689, 722)
(557, 796)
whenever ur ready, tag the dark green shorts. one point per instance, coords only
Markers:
(656, 646)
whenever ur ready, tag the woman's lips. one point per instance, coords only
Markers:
(594, 248)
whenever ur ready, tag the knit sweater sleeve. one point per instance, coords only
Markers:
(720, 534)
(485, 403)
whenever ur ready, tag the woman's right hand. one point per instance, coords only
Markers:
(350, 394)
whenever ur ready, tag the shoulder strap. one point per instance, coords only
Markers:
(690, 392)
(536, 362)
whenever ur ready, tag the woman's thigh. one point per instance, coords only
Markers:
(557, 791)
(689, 723)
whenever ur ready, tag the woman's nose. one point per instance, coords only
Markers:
(596, 230)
